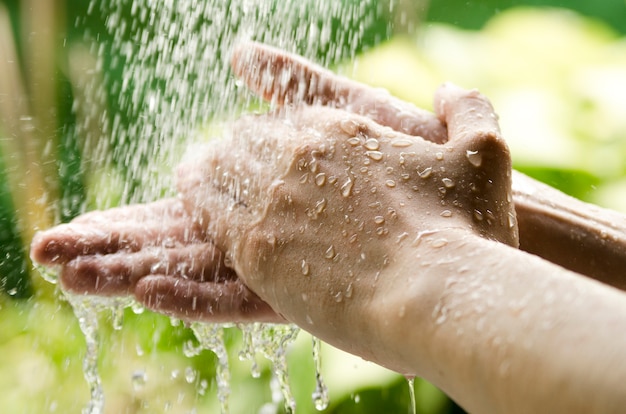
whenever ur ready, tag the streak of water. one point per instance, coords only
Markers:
(411, 383)
(86, 311)
(211, 337)
(320, 395)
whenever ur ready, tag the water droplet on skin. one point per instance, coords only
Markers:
(346, 188)
(137, 308)
(512, 220)
(353, 238)
(338, 297)
(447, 183)
(349, 291)
(478, 215)
(304, 267)
(401, 237)
(391, 212)
(302, 164)
(439, 243)
(474, 158)
(304, 178)
(330, 252)
(372, 144)
(374, 155)
(426, 172)
(381, 231)
(439, 156)
(320, 206)
(313, 166)
(349, 126)
(271, 239)
(320, 179)
(490, 217)
(405, 176)
(379, 219)
(390, 183)
(446, 213)
(401, 143)
(354, 141)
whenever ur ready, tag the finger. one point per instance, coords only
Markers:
(467, 114)
(189, 300)
(578, 236)
(116, 274)
(65, 242)
(482, 158)
(284, 78)
(166, 209)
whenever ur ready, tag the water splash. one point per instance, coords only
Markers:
(248, 351)
(86, 311)
(160, 80)
(273, 343)
(411, 383)
(173, 58)
(211, 337)
(320, 395)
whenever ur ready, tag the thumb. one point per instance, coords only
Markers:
(474, 135)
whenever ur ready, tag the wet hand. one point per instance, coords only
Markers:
(155, 252)
(315, 207)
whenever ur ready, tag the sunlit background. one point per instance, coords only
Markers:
(94, 114)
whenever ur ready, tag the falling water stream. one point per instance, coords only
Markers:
(175, 84)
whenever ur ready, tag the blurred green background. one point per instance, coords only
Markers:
(555, 71)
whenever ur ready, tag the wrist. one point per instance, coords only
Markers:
(404, 309)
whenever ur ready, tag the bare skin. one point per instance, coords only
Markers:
(394, 247)
(552, 225)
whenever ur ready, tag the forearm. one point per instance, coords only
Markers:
(581, 237)
(503, 331)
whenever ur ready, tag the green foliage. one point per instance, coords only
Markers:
(14, 273)
(474, 14)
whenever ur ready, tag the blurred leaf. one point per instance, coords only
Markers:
(473, 15)
(14, 272)
(579, 184)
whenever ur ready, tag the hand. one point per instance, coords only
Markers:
(157, 248)
(315, 207)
